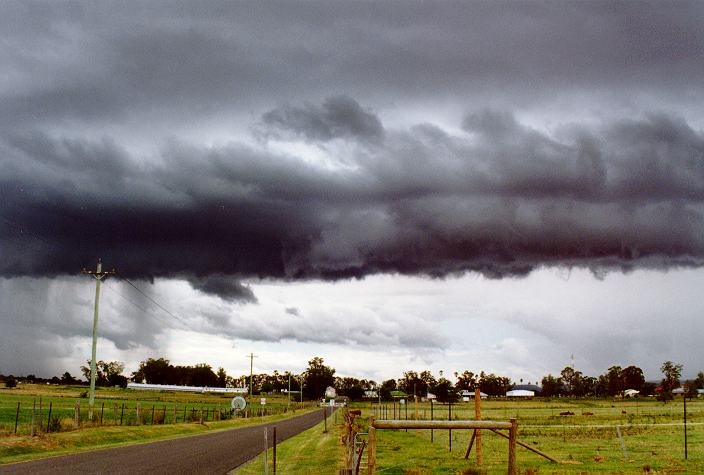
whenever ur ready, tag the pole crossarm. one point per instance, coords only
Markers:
(468, 424)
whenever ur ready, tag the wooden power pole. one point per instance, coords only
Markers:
(251, 357)
(99, 275)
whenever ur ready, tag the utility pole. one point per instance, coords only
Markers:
(251, 357)
(98, 274)
(289, 388)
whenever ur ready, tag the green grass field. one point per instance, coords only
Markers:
(573, 440)
(118, 427)
(585, 442)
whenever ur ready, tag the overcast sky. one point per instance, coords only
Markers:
(401, 185)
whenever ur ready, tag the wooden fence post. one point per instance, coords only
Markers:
(478, 417)
(138, 410)
(34, 409)
(48, 419)
(77, 415)
(102, 409)
(17, 416)
(122, 412)
(274, 449)
(512, 435)
(371, 447)
(114, 413)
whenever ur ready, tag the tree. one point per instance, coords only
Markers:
(386, 388)
(699, 381)
(66, 378)
(466, 381)
(551, 386)
(153, 371)
(633, 378)
(107, 373)
(222, 378)
(444, 391)
(316, 378)
(412, 384)
(671, 379)
(614, 381)
(10, 382)
(494, 385)
(428, 381)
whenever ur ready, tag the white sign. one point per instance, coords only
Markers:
(263, 401)
(402, 401)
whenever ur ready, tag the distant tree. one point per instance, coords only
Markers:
(353, 388)
(671, 379)
(551, 386)
(699, 381)
(633, 378)
(649, 388)
(590, 385)
(66, 378)
(222, 378)
(386, 388)
(573, 382)
(494, 385)
(10, 381)
(412, 384)
(108, 373)
(444, 391)
(428, 381)
(466, 381)
(153, 371)
(614, 381)
(316, 378)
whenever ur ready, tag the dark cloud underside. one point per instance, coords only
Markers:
(499, 198)
(112, 120)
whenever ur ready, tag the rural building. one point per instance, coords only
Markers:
(467, 395)
(520, 393)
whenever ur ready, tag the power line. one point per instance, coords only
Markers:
(152, 300)
(24, 230)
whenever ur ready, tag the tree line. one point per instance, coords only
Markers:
(318, 376)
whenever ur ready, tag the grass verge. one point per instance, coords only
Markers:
(20, 448)
(310, 452)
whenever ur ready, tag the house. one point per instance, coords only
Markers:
(520, 393)
(397, 394)
(371, 394)
(467, 395)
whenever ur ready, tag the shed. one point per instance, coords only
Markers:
(520, 393)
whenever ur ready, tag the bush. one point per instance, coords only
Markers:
(10, 382)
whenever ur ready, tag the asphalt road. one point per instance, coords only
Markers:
(213, 453)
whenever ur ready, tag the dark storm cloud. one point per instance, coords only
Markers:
(338, 117)
(110, 116)
(67, 64)
(500, 198)
(224, 287)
